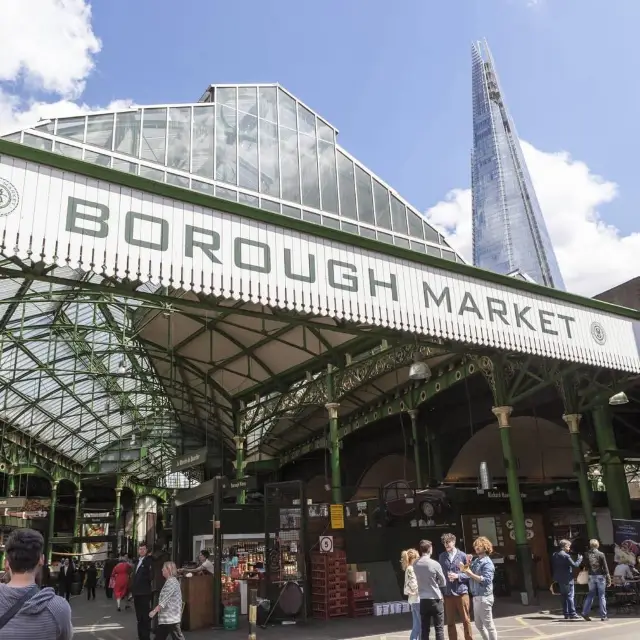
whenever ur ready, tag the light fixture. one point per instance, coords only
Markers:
(485, 478)
(619, 398)
(122, 369)
(133, 440)
(419, 369)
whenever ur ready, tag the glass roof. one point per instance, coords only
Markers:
(73, 376)
(255, 144)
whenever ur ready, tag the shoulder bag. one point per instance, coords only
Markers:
(15, 609)
(583, 577)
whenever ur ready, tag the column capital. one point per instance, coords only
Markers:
(502, 413)
(573, 421)
(413, 413)
(118, 491)
(78, 493)
(239, 440)
(332, 408)
(54, 485)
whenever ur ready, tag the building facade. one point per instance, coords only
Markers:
(509, 231)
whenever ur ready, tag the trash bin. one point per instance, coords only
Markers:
(231, 618)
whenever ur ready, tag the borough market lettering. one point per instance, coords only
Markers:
(92, 219)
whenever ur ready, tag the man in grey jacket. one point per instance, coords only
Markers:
(431, 581)
(26, 612)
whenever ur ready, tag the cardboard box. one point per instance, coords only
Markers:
(357, 577)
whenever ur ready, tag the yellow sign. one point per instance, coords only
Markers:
(336, 511)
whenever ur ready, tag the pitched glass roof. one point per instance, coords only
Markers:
(255, 144)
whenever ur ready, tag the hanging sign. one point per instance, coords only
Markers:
(336, 516)
(190, 459)
(326, 544)
(101, 226)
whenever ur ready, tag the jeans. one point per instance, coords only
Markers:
(483, 614)
(567, 591)
(432, 610)
(597, 586)
(415, 619)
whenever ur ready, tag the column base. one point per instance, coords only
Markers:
(526, 578)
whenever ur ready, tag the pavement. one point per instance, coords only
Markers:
(99, 620)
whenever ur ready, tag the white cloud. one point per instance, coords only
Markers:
(593, 255)
(48, 48)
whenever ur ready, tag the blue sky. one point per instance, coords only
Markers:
(397, 83)
(394, 78)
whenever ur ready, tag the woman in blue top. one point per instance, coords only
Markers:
(481, 574)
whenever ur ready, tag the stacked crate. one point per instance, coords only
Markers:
(329, 585)
(360, 599)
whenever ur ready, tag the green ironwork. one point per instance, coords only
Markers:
(52, 517)
(413, 414)
(240, 465)
(332, 407)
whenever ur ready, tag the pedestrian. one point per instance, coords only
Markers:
(65, 578)
(481, 572)
(169, 607)
(141, 590)
(599, 579)
(563, 565)
(26, 612)
(91, 581)
(159, 557)
(407, 559)
(431, 581)
(456, 591)
(120, 581)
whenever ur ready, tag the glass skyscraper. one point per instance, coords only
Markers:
(509, 232)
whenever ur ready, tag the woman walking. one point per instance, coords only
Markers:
(91, 581)
(120, 581)
(481, 573)
(407, 558)
(599, 579)
(169, 608)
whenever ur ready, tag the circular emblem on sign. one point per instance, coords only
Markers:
(9, 198)
(326, 544)
(598, 333)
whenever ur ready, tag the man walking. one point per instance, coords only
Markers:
(563, 566)
(599, 579)
(431, 581)
(26, 612)
(141, 590)
(456, 591)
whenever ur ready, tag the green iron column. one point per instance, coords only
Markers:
(580, 469)
(613, 472)
(117, 515)
(523, 550)
(76, 522)
(240, 464)
(413, 413)
(134, 523)
(10, 490)
(334, 439)
(52, 518)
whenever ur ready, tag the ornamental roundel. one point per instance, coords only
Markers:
(598, 333)
(9, 198)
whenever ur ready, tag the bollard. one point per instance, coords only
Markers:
(253, 613)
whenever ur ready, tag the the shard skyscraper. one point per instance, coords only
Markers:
(509, 232)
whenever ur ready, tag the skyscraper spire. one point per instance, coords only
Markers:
(509, 231)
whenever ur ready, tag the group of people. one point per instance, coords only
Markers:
(67, 574)
(438, 590)
(594, 566)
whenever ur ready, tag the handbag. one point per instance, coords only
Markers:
(583, 577)
(112, 582)
(15, 609)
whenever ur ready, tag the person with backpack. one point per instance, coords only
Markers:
(27, 612)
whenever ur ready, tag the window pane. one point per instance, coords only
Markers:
(248, 100)
(124, 165)
(419, 246)
(381, 200)
(269, 168)
(430, 233)
(310, 216)
(227, 96)
(100, 130)
(292, 212)
(47, 127)
(97, 158)
(332, 223)
(179, 147)
(401, 242)
(309, 169)
(399, 216)
(152, 174)
(71, 128)
(13, 137)
(365, 196)
(346, 187)
(127, 139)
(448, 255)
(328, 177)
(385, 237)
(306, 121)
(226, 146)
(415, 224)
(68, 150)
(325, 132)
(252, 201)
(203, 141)
(433, 251)
(270, 205)
(287, 107)
(37, 142)
(203, 187)
(178, 181)
(365, 232)
(289, 165)
(268, 104)
(154, 135)
(248, 151)
(349, 228)
(227, 194)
